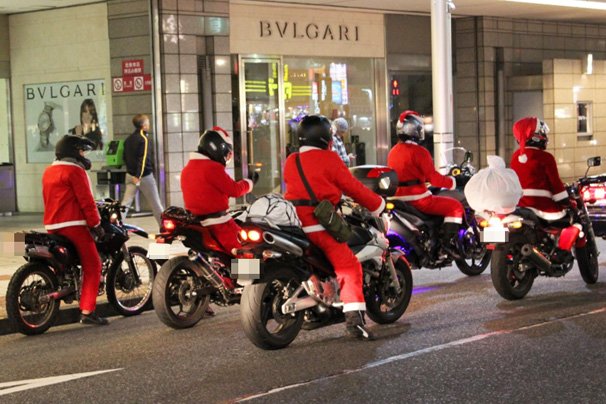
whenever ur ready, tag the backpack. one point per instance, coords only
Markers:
(274, 210)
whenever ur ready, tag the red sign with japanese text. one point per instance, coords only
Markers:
(129, 84)
(132, 67)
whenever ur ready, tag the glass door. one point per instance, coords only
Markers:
(261, 101)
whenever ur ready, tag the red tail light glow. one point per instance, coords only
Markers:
(168, 225)
(594, 193)
(254, 235)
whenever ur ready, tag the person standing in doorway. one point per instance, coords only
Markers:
(139, 167)
(340, 128)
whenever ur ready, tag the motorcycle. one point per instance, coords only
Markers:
(288, 281)
(53, 274)
(186, 285)
(417, 234)
(526, 246)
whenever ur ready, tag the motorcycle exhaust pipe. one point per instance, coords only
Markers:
(60, 294)
(536, 257)
(282, 243)
(208, 272)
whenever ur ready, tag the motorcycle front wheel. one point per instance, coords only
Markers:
(261, 310)
(131, 294)
(383, 304)
(176, 294)
(27, 312)
(508, 281)
(587, 258)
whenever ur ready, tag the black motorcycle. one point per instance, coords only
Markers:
(296, 284)
(419, 237)
(526, 246)
(53, 274)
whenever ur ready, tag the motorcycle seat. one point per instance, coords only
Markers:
(35, 237)
(430, 220)
(528, 214)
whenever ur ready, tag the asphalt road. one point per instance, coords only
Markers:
(458, 342)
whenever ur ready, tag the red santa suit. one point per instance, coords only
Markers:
(415, 167)
(330, 179)
(70, 210)
(206, 188)
(543, 190)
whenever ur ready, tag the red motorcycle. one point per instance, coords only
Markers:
(186, 284)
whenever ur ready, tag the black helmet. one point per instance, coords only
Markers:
(539, 138)
(410, 127)
(69, 147)
(213, 146)
(314, 130)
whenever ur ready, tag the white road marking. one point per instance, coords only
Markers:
(21, 385)
(423, 351)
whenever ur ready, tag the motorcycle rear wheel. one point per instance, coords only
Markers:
(509, 285)
(173, 295)
(376, 307)
(128, 298)
(587, 259)
(22, 298)
(260, 309)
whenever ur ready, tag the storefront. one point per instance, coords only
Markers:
(289, 62)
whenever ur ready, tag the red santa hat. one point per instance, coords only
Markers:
(402, 118)
(220, 129)
(524, 130)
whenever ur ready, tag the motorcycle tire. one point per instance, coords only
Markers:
(260, 301)
(119, 281)
(504, 280)
(375, 303)
(474, 268)
(15, 293)
(587, 259)
(166, 285)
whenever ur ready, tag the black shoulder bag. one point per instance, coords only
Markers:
(325, 212)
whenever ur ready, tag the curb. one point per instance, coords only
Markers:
(67, 316)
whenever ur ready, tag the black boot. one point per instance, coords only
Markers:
(450, 240)
(356, 326)
(93, 319)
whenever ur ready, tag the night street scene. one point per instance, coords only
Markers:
(278, 201)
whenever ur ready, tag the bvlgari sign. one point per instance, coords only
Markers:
(294, 31)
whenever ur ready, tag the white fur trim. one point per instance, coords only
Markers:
(313, 229)
(454, 184)
(61, 225)
(66, 163)
(452, 219)
(216, 220)
(522, 158)
(549, 216)
(412, 197)
(250, 184)
(197, 156)
(304, 149)
(560, 196)
(354, 307)
(380, 209)
(537, 193)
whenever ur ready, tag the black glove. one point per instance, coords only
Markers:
(253, 176)
(98, 232)
(461, 180)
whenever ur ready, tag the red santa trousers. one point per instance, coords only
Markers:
(226, 235)
(90, 261)
(450, 208)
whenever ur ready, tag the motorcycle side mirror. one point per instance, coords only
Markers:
(468, 156)
(594, 161)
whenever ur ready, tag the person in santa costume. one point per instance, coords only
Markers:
(70, 211)
(329, 179)
(207, 187)
(543, 190)
(415, 168)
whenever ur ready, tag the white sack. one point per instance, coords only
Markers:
(274, 210)
(495, 188)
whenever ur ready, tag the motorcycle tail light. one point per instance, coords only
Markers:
(243, 236)
(495, 221)
(168, 225)
(254, 235)
(484, 223)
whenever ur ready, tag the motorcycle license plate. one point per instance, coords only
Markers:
(157, 251)
(495, 235)
(246, 269)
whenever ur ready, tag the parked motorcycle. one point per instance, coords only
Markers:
(418, 236)
(526, 246)
(296, 283)
(53, 274)
(186, 285)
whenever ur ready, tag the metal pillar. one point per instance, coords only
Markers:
(441, 65)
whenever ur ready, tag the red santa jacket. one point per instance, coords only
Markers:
(414, 166)
(541, 183)
(329, 178)
(207, 187)
(68, 198)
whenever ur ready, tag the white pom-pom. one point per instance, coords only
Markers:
(522, 158)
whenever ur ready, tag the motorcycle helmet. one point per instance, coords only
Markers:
(531, 132)
(410, 127)
(213, 146)
(71, 145)
(315, 131)
(539, 137)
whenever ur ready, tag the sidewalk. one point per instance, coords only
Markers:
(21, 222)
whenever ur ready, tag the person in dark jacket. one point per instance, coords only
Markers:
(139, 167)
